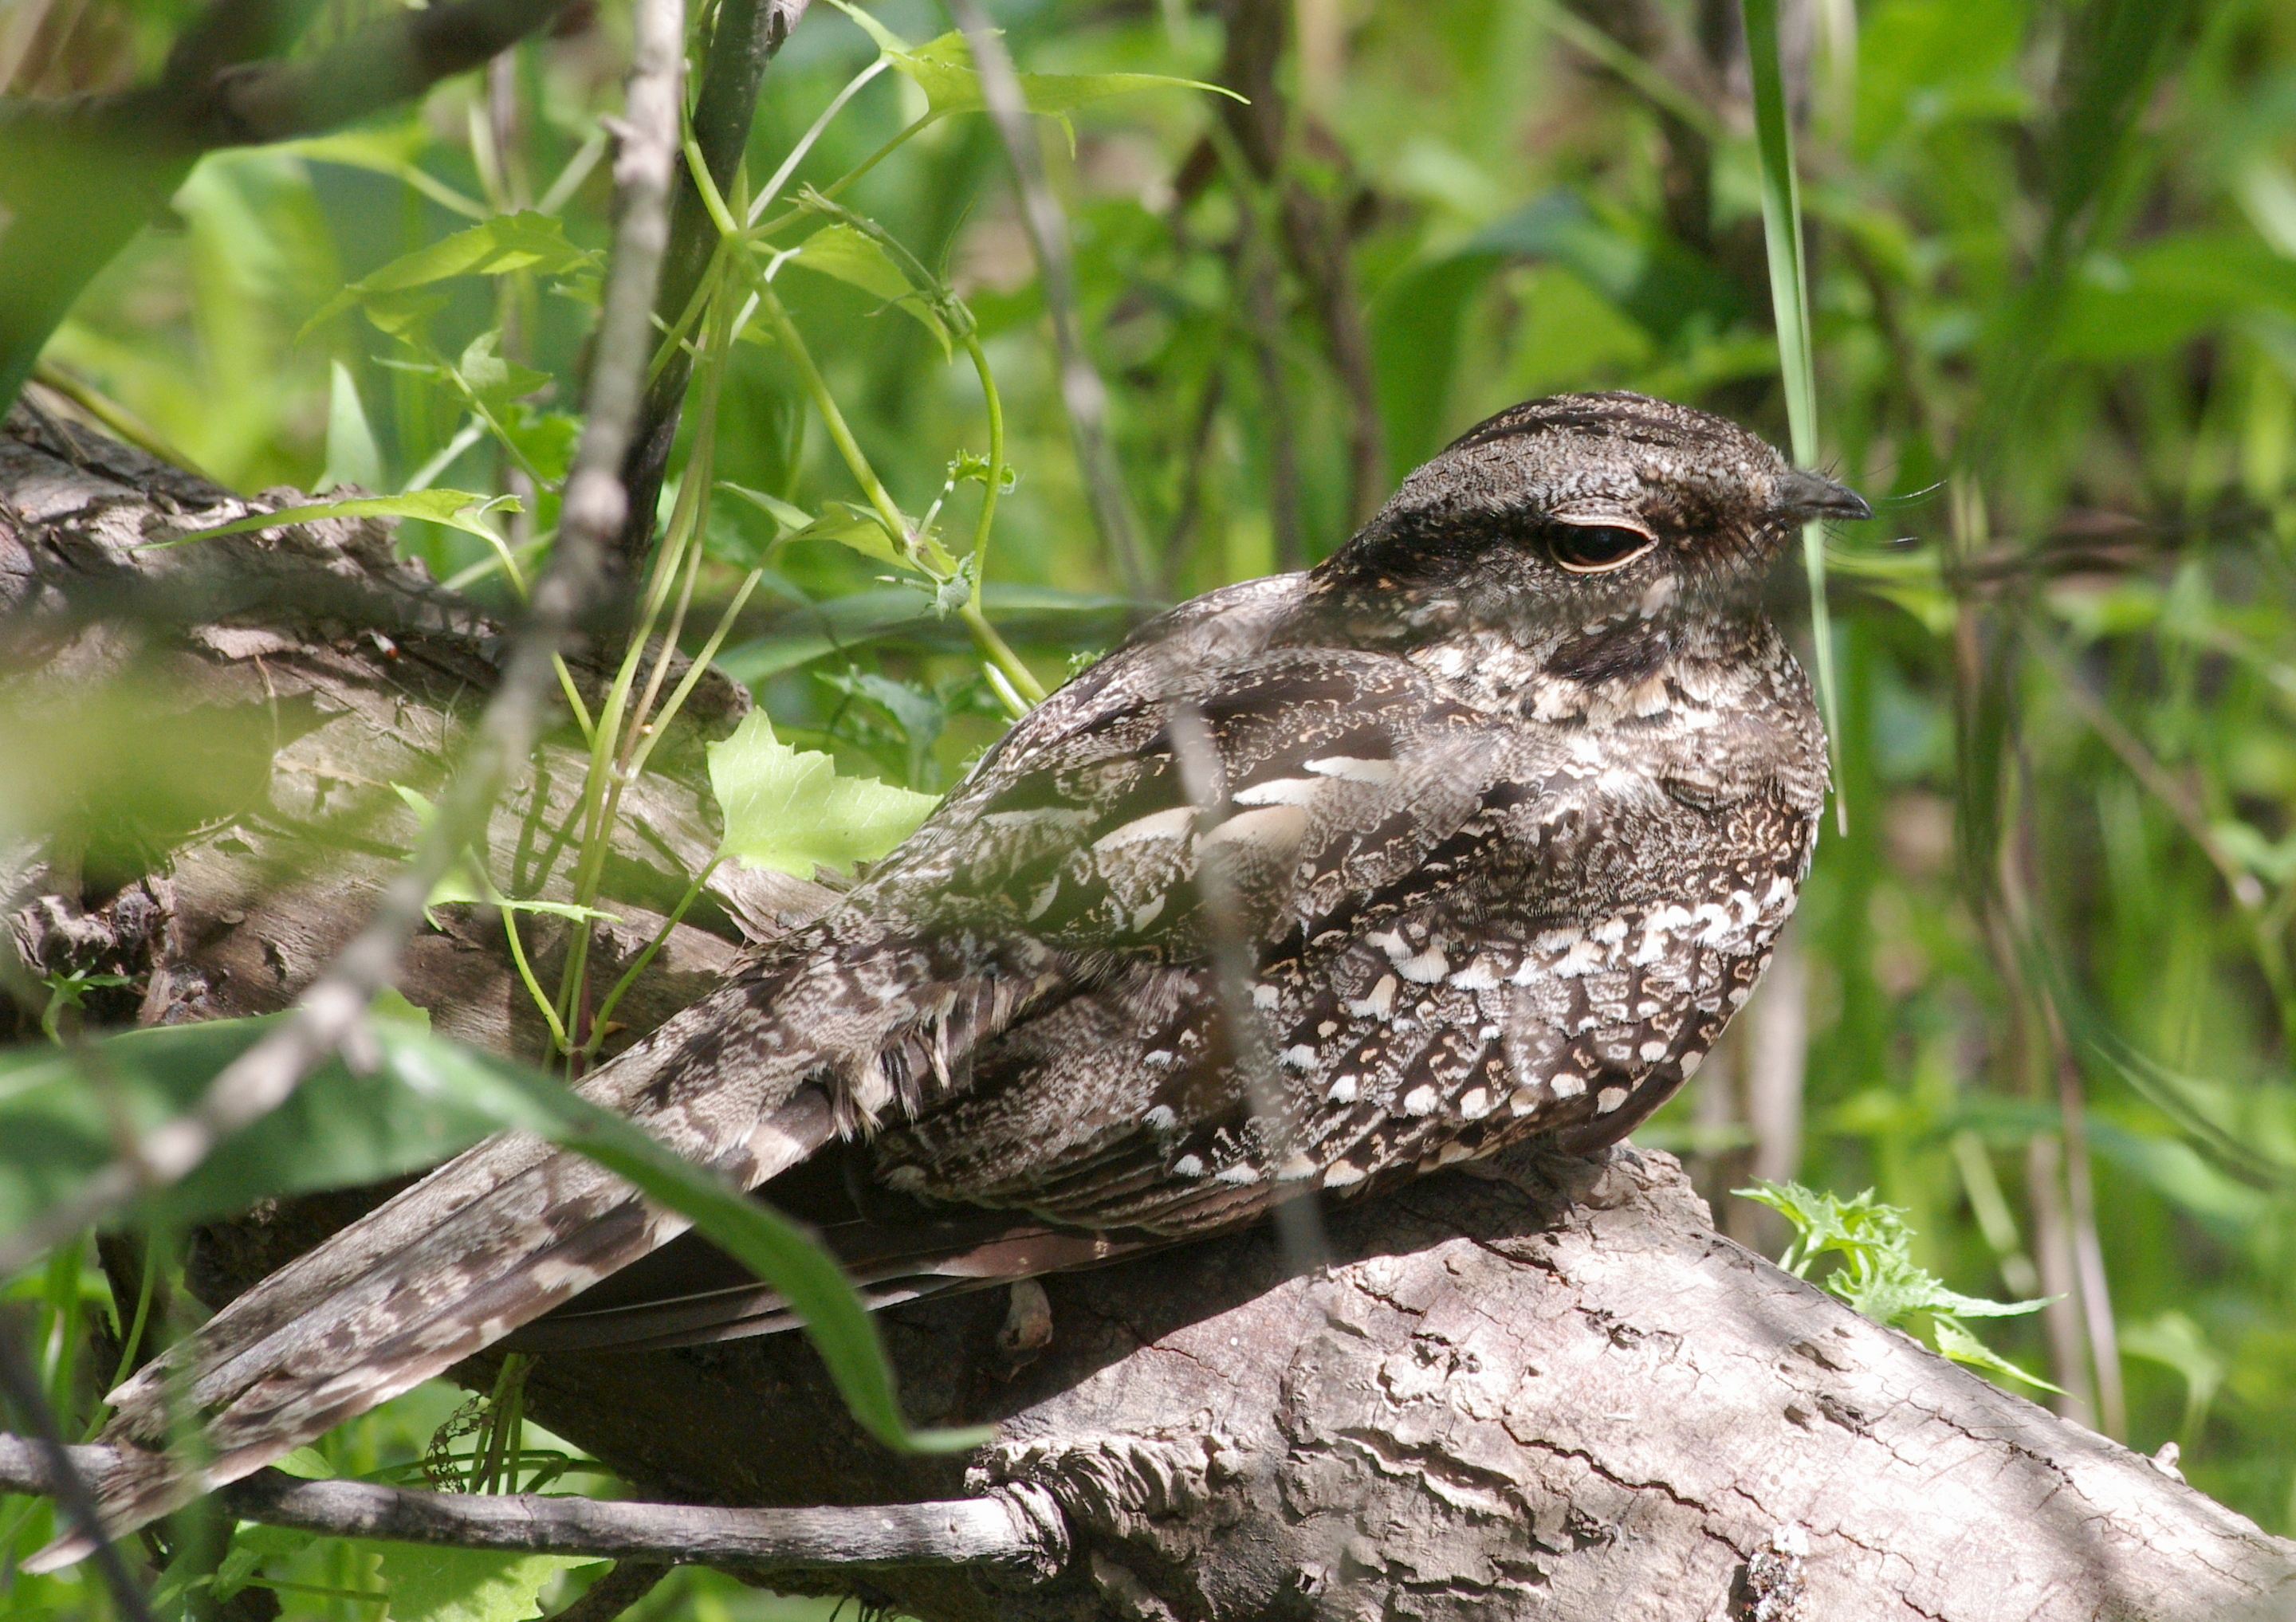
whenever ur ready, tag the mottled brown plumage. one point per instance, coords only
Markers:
(1504, 804)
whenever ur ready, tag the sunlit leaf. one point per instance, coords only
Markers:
(508, 243)
(438, 1585)
(787, 808)
(1954, 1341)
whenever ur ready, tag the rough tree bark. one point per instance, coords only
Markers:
(1547, 1390)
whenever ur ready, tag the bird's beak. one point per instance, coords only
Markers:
(1801, 496)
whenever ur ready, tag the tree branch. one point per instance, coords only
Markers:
(1020, 1528)
(332, 1012)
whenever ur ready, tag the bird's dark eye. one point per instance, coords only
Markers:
(1589, 549)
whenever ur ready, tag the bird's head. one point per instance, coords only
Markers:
(1581, 510)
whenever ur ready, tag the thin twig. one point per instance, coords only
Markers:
(1017, 1525)
(1082, 391)
(332, 1012)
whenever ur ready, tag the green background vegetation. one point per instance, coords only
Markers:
(2053, 263)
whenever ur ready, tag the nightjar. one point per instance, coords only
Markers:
(1480, 830)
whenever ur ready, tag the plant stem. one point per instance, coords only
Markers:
(1790, 305)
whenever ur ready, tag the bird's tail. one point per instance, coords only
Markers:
(483, 1245)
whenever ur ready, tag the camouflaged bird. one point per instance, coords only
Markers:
(1502, 807)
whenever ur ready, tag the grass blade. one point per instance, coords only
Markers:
(1790, 301)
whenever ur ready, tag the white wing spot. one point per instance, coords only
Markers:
(1421, 1100)
(1279, 792)
(1380, 1003)
(1609, 1099)
(1275, 829)
(1172, 824)
(1652, 1051)
(1243, 1174)
(1188, 1166)
(1566, 1084)
(1301, 1056)
(1475, 1103)
(1354, 768)
(1342, 1174)
(1161, 1118)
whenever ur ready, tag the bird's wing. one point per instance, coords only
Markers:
(1316, 773)
(871, 1010)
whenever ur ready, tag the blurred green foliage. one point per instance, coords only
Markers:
(2053, 258)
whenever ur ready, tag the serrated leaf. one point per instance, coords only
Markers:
(1957, 1343)
(525, 241)
(455, 509)
(434, 1585)
(787, 809)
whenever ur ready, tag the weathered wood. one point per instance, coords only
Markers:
(1549, 1391)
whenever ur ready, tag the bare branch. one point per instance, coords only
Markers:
(1019, 1527)
(332, 1012)
(1082, 391)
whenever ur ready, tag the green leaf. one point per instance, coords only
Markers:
(254, 1547)
(429, 1098)
(351, 455)
(858, 259)
(943, 70)
(337, 1130)
(787, 809)
(772, 1246)
(1957, 1343)
(434, 1585)
(525, 241)
(490, 377)
(455, 509)
(792, 520)
(851, 525)
(1879, 1277)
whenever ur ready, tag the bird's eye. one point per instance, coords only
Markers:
(1590, 549)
